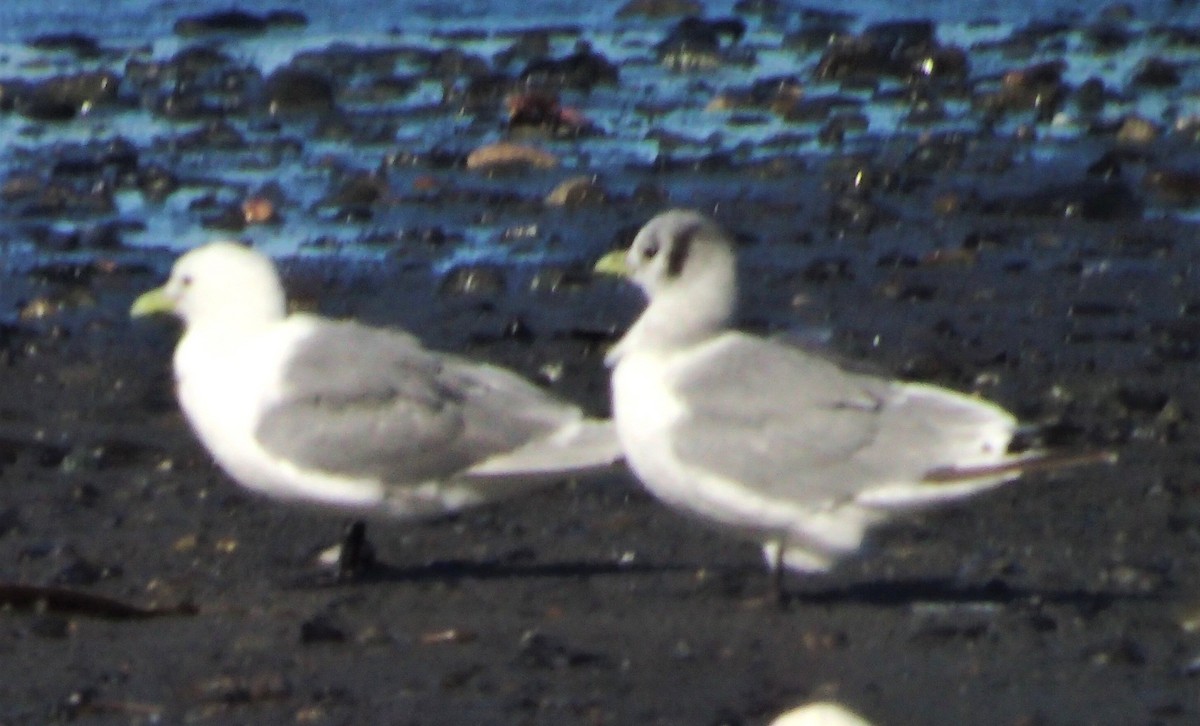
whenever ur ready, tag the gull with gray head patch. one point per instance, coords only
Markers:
(770, 441)
(304, 408)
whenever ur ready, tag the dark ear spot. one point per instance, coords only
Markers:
(681, 247)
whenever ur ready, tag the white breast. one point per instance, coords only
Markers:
(644, 410)
(224, 380)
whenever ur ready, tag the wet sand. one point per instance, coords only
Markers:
(1060, 600)
(1050, 270)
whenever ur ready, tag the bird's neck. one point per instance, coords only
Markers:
(225, 332)
(680, 317)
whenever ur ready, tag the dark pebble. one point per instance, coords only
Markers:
(474, 280)
(156, 183)
(1107, 37)
(80, 44)
(582, 69)
(545, 652)
(298, 91)
(894, 49)
(1141, 399)
(697, 43)
(321, 629)
(1157, 73)
(61, 98)
(1090, 199)
(1174, 186)
(1091, 96)
(227, 21)
(359, 191)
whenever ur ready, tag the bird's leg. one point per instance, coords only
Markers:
(357, 554)
(777, 590)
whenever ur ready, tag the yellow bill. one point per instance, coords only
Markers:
(612, 263)
(151, 302)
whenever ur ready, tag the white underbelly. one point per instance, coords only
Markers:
(223, 396)
(646, 413)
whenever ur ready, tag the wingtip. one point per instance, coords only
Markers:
(1036, 463)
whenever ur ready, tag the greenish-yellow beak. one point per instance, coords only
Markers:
(612, 263)
(151, 302)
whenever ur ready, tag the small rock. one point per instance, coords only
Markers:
(582, 70)
(1136, 130)
(577, 191)
(226, 21)
(80, 44)
(506, 154)
(321, 629)
(292, 91)
(1174, 186)
(695, 43)
(474, 280)
(1156, 73)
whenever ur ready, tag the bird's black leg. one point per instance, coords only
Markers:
(357, 554)
(777, 573)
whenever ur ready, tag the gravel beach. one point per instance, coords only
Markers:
(1053, 275)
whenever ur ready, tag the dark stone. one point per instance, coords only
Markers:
(321, 628)
(542, 652)
(694, 36)
(1174, 186)
(1091, 199)
(226, 21)
(1157, 73)
(901, 49)
(474, 280)
(582, 69)
(156, 183)
(292, 90)
(79, 44)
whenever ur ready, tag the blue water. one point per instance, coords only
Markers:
(139, 20)
(143, 29)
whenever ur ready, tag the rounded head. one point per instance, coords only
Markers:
(679, 248)
(223, 282)
(685, 264)
(821, 713)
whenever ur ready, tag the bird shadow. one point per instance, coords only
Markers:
(358, 565)
(883, 594)
(453, 570)
(948, 591)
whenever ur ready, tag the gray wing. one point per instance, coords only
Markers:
(369, 402)
(781, 421)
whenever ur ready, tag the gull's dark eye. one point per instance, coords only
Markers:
(650, 251)
(186, 281)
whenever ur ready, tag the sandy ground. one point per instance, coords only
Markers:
(1065, 600)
